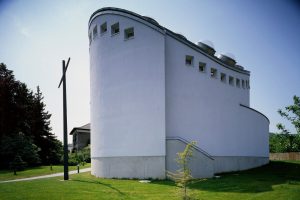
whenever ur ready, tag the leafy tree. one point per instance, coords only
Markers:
(276, 143)
(292, 114)
(183, 176)
(280, 143)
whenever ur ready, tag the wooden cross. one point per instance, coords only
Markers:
(63, 80)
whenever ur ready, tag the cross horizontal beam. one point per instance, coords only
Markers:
(65, 69)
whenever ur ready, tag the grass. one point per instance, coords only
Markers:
(36, 171)
(278, 180)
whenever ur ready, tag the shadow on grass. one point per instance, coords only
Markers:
(256, 180)
(100, 183)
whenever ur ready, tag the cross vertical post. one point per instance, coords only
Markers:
(65, 126)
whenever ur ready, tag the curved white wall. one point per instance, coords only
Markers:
(254, 132)
(142, 92)
(207, 110)
(127, 90)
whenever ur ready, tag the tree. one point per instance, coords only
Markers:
(51, 148)
(183, 176)
(15, 101)
(280, 143)
(23, 116)
(55, 153)
(7, 85)
(86, 151)
(80, 157)
(18, 145)
(292, 114)
(17, 164)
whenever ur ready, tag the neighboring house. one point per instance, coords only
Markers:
(153, 91)
(81, 136)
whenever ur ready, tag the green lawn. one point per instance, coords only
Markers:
(36, 171)
(278, 180)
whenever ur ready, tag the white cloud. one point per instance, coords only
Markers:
(25, 31)
(19, 25)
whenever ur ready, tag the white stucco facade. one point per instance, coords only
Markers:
(144, 92)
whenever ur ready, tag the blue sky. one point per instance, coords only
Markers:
(264, 36)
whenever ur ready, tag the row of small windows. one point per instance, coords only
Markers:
(189, 61)
(114, 29)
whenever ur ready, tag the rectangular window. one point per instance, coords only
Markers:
(243, 84)
(202, 67)
(231, 80)
(129, 33)
(95, 32)
(237, 82)
(115, 29)
(223, 77)
(213, 72)
(189, 60)
(103, 28)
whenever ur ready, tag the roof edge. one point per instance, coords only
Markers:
(77, 128)
(168, 32)
(242, 105)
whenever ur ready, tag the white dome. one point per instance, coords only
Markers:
(208, 43)
(230, 55)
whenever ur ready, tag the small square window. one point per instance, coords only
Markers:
(243, 84)
(129, 33)
(103, 28)
(115, 29)
(202, 67)
(213, 72)
(189, 60)
(231, 80)
(95, 32)
(237, 82)
(223, 77)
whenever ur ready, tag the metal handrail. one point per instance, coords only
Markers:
(194, 146)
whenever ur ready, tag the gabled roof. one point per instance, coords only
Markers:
(86, 127)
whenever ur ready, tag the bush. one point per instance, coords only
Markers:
(80, 157)
(72, 159)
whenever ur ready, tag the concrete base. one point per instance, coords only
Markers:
(140, 167)
(237, 163)
(201, 165)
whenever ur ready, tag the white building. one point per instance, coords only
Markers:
(152, 91)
